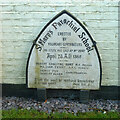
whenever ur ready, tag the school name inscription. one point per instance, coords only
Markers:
(71, 24)
(63, 57)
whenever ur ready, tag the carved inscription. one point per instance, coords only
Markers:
(64, 57)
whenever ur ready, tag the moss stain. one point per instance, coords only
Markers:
(85, 23)
(37, 71)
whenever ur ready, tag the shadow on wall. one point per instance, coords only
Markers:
(21, 90)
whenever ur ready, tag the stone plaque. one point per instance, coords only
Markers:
(64, 56)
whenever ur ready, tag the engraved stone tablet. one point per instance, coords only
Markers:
(64, 56)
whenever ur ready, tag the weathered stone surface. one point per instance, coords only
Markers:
(41, 94)
(65, 56)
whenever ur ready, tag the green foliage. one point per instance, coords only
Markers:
(36, 114)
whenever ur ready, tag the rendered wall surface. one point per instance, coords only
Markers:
(0, 45)
(21, 22)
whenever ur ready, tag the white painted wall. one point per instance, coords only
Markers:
(21, 22)
(0, 45)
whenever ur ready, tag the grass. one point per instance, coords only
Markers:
(36, 114)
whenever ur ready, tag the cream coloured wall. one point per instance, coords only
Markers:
(21, 22)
